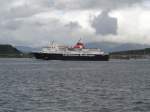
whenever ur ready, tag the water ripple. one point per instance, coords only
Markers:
(29, 85)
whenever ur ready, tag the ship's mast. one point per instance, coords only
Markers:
(79, 40)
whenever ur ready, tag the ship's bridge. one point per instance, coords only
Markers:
(54, 48)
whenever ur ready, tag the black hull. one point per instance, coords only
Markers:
(47, 56)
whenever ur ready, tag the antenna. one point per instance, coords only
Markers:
(80, 40)
(52, 42)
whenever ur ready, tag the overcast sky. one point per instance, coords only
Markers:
(37, 22)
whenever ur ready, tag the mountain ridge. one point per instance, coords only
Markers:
(115, 47)
(9, 51)
(105, 46)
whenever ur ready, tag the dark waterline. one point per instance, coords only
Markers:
(30, 85)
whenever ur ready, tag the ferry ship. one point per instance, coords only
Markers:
(76, 53)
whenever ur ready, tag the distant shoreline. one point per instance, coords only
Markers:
(8, 51)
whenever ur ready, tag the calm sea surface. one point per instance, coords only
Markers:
(30, 85)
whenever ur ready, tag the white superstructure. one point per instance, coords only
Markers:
(79, 48)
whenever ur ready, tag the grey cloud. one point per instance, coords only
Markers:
(104, 24)
(95, 4)
(73, 25)
(108, 4)
(43, 3)
(28, 8)
(30, 30)
(32, 7)
(83, 4)
(15, 25)
(11, 24)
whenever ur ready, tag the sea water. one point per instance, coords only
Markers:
(30, 85)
